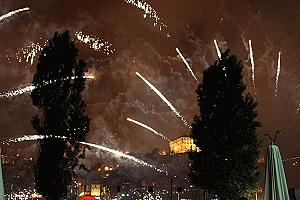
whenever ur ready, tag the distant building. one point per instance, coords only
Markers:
(183, 144)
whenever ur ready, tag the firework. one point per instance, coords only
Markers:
(29, 88)
(30, 138)
(95, 43)
(292, 158)
(277, 74)
(11, 13)
(115, 152)
(252, 63)
(186, 64)
(164, 99)
(30, 52)
(149, 128)
(18, 91)
(148, 12)
(217, 48)
(120, 154)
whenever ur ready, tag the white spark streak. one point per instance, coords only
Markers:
(217, 48)
(149, 128)
(31, 138)
(18, 91)
(164, 100)
(252, 63)
(148, 11)
(95, 43)
(187, 64)
(29, 88)
(115, 152)
(277, 74)
(120, 154)
(11, 13)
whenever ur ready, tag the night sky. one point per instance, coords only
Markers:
(117, 93)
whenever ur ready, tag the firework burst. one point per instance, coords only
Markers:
(95, 43)
(148, 12)
(30, 53)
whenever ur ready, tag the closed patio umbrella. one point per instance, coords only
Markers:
(275, 182)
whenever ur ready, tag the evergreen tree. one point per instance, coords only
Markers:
(225, 131)
(59, 81)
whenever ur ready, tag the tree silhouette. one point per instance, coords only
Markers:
(59, 81)
(225, 131)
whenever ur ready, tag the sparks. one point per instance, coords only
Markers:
(11, 13)
(120, 154)
(29, 88)
(30, 52)
(277, 74)
(149, 128)
(293, 158)
(148, 11)
(30, 138)
(18, 91)
(95, 43)
(164, 100)
(187, 64)
(115, 152)
(297, 111)
(252, 63)
(217, 48)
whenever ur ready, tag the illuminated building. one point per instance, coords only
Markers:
(183, 144)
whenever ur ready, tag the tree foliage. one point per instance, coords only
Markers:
(225, 131)
(59, 81)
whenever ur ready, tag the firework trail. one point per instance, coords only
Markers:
(187, 64)
(120, 154)
(252, 63)
(148, 11)
(29, 88)
(217, 48)
(149, 128)
(277, 74)
(30, 138)
(117, 153)
(30, 52)
(95, 43)
(18, 91)
(11, 13)
(164, 99)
